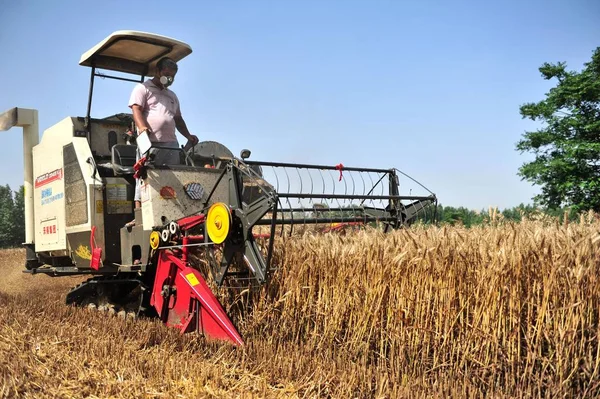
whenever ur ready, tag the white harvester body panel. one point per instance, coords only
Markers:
(70, 197)
(49, 187)
(174, 193)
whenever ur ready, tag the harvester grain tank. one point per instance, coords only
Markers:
(226, 211)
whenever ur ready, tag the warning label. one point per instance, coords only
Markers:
(116, 192)
(191, 277)
(119, 206)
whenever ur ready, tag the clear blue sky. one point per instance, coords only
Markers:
(430, 87)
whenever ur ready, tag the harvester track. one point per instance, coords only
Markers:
(126, 297)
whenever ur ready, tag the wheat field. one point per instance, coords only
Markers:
(504, 310)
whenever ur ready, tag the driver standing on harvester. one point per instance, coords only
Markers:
(156, 111)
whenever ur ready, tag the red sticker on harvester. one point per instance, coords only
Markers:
(167, 192)
(48, 177)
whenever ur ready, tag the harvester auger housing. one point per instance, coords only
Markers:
(213, 216)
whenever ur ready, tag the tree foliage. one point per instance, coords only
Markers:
(7, 212)
(19, 216)
(461, 216)
(567, 147)
(12, 217)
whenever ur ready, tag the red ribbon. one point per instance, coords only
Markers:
(138, 167)
(340, 167)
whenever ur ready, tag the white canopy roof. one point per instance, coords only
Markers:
(133, 52)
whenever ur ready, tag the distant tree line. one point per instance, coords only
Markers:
(12, 217)
(450, 215)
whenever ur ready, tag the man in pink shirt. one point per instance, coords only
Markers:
(156, 111)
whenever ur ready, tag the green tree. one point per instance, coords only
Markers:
(19, 217)
(7, 213)
(567, 147)
(461, 215)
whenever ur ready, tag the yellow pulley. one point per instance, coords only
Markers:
(218, 221)
(154, 239)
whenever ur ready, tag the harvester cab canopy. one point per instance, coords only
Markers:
(133, 52)
(130, 52)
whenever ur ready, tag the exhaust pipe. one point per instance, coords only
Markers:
(28, 120)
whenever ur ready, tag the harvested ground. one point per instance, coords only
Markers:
(498, 311)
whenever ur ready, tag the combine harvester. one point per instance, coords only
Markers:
(224, 210)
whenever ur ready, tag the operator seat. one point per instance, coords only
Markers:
(123, 159)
